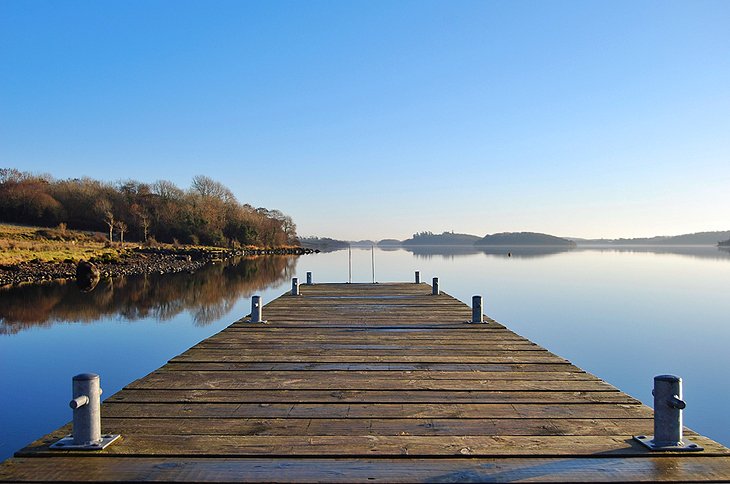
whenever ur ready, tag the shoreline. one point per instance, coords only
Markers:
(135, 261)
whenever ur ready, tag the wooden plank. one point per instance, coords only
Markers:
(360, 352)
(375, 445)
(366, 375)
(131, 395)
(393, 427)
(365, 426)
(377, 384)
(261, 333)
(237, 340)
(385, 368)
(362, 320)
(375, 410)
(394, 331)
(403, 346)
(327, 381)
(191, 356)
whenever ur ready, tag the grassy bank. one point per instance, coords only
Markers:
(20, 244)
(24, 244)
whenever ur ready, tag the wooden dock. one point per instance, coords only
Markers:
(370, 382)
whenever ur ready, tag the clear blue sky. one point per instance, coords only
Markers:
(382, 118)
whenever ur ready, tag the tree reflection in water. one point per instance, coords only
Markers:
(208, 294)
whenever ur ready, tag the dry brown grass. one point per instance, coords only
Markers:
(21, 244)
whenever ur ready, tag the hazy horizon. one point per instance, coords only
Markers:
(381, 119)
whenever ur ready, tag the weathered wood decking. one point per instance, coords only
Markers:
(370, 382)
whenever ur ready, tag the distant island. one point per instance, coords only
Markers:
(724, 243)
(500, 239)
(445, 238)
(389, 243)
(698, 238)
(524, 239)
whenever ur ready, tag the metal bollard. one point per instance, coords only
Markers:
(436, 290)
(418, 277)
(309, 278)
(256, 310)
(476, 310)
(294, 286)
(668, 406)
(86, 405)
(87, 412)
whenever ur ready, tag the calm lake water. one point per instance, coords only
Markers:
(624, 315)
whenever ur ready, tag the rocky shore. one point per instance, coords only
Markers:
(142, 260)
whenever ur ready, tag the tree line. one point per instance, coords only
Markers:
(205, 213)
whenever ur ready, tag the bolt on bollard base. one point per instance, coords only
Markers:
(682, 446)
(67, 443)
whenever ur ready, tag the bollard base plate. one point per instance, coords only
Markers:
(686, 445)
(67, 443)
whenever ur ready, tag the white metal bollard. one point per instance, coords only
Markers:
(435, 286)
(418, 277)
(256, 310)
(86, 404)
(668, 406)
(294, 286)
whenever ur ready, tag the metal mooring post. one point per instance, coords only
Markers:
(435, 286)
(668, 406)
(256, 310)
(476, 310)
(294, 286)
(418, 277)
(309, 278)
(86, 404)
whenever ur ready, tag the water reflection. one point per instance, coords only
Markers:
(207, 294)
(696, 251)
(451, 252)
(525, 251)
(445, 251)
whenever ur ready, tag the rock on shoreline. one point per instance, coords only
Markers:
(138, 261)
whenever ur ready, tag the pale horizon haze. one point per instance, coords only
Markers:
(378, 119)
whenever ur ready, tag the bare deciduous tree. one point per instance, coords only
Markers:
(121, 228)
(144, 218)
(104, 208)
